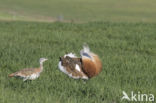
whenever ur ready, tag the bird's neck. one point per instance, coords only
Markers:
(41, 66)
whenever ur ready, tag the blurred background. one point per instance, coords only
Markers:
(79, 10)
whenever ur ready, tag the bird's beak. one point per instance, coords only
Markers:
(46, 59)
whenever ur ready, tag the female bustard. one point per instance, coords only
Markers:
(29, 73)
(85, 67)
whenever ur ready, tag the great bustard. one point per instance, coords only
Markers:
(85, 67)
(29, 73)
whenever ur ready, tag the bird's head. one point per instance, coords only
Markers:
(43, 60)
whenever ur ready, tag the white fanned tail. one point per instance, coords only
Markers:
(85, 52)
(72, 55)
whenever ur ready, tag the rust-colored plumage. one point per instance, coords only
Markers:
(92, 67)
(89, 64)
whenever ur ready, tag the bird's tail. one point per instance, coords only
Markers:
(85, 52)
(11, 75)
(91, 63)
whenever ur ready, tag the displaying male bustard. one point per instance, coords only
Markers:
(29, 73)
(85, 67)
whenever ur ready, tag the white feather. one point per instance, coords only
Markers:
(72, 55)
(86, 53)
(63, 69)
(85, 77)
(85, 49)
(77, 67)
(31, 77)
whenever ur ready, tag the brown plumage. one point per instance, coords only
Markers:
(29, 73)
(91, 67)
(25, 72)
(89, 64)
(71, 64)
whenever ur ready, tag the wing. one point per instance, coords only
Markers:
(26, 72)
(72, 55)
(72, 67)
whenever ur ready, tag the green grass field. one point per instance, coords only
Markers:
(123, 34)
(126, 50)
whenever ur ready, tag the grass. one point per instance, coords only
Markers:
(127, 51)
(121, 32)
(79, 10)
